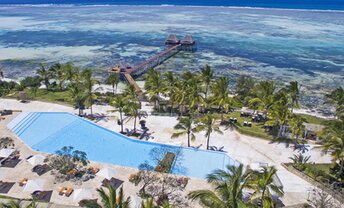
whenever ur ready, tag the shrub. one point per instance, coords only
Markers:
(6, 87)
(165, 165)
(31, 82)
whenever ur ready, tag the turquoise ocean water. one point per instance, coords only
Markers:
(278, 44)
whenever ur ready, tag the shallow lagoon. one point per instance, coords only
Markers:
(274, 44)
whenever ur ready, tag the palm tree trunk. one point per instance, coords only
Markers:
(113, 89)
(188, 139)
(171, 108)
(208, 142)
(135, 124)
(91, 103)
(263, 193)
(206, 92)
(121, 118)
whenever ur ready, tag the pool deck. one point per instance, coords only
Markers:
(244, 149)
(23, 170)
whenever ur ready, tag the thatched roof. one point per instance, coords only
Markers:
(172, 39)
(188, 40)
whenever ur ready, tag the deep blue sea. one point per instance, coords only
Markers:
(290, 4)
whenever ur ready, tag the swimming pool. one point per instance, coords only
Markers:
(48, 132)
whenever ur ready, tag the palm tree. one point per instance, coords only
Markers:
(297, 126)
(110, 199)
(149, 203)
(333, 142)
(70, 73)
(185, 126)
(16, 204)
(171, 87)
(221, 94)
(56, 71)
(228, 186)
(264, 92)
(33, 204)
(130, 93)
(154, 86)
(243, 88)
(263, 185)
(1, 73)
(45, 75)
(336, 97)
(119, 103)
(11, 204)
(78, 95)
(299, 159)
(208, 124)
(207, 75)
(280, 112)
(294, 93)
(89, 83)
(113, 80)
(180, 97)
(194, 93)
(131, 109)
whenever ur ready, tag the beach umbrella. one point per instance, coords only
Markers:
(83, 193)
(3, 174)
(34, 185)
(36, 159)
(6, 152)
(135, 202)
(107, 173)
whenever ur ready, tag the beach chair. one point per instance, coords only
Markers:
(182, 181)
(23, 181)
(62, 190)
(69, 192)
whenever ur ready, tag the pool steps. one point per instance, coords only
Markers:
(26, 120)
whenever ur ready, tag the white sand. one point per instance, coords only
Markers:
(244, 149)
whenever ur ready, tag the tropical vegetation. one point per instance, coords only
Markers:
(231, 188)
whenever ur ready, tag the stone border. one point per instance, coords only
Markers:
(335, 194)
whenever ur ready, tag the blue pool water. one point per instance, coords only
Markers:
(48, 132)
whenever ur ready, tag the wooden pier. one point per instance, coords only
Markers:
(174, 46)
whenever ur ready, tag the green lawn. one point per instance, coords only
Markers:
(324, 167)
(313, 119)
(256, 130)
(319, 172)
(49, 96)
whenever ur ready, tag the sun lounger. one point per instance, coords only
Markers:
(182, 181)
(42, 195)
(212, 148)
(114, 182)
(69, 192)
(93, 170)
(5, 187)
(23, 181)
(62, 190)
(41, 169)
